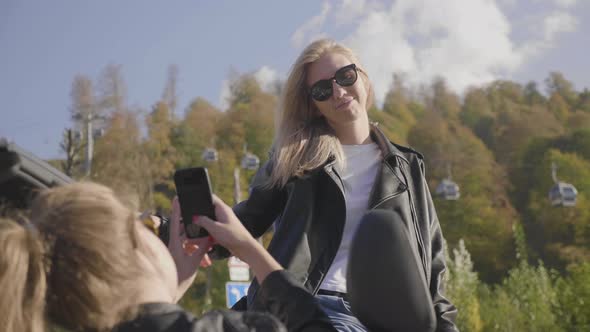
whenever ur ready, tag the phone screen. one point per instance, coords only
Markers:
(194, 194)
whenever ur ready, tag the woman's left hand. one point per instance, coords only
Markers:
(187, 255)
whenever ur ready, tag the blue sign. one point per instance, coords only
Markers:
(234, 291)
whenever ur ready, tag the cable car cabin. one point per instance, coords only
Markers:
(210, 155)
(563, 194)
(250, 162)
(448, 190)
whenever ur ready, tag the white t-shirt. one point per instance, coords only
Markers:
(362, 164)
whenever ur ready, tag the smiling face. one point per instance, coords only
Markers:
(347, 105)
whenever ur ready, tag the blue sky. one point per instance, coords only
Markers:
(44, 44)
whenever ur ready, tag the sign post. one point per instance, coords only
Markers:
(234, 291)
(238, 270)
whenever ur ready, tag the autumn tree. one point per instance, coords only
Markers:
(112, 89)
(120, 161)
(398, 117)
(558, 107)
(195, 132)
(556, 83)
(86, 115)
(483, 216)
(443, 100)
(161, 153)
(531, 93)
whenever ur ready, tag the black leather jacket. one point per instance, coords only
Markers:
(292, 309)
(309, 213)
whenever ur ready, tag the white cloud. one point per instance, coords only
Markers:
(552, 24)
(468, 42)
(267, 78)
(224, 95)
(565, 3)
(349, 10)
(311, 29)
(558, 22)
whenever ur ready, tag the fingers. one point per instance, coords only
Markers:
(175, 221)
(206, 261)
(201, 241)
(222, 210)
(211, 226)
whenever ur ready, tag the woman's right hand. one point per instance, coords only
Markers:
(228, 230)
(230, 233)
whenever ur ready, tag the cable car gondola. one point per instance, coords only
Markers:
(250, 162)
(562, 193)
(449, 190)
(210, 155)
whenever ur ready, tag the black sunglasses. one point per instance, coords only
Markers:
(345, 76)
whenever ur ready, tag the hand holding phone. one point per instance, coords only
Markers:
(193, 188)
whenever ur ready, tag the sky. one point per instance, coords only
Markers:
(45, 44)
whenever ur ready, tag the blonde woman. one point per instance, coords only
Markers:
(329, 166)
(86, 263)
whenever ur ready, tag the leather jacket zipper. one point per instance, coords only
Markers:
(329, 170)
(416, 229)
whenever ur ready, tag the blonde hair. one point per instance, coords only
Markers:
(304, 140)
(22, 279)
(87, 239)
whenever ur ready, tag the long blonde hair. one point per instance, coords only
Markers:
(83, 239)
(304, 140)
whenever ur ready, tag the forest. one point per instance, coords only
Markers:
(516, 262)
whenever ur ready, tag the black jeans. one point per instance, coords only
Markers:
(385, 283)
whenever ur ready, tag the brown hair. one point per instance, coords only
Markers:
(304, 140)
(84, 239)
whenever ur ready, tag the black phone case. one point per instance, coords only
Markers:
(193, 188)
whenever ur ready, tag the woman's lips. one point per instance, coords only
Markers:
(345, 103)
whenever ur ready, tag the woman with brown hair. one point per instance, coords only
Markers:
(329, 167)
(86, 263)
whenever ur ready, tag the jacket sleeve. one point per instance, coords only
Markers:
(444, 309)
(285, 298)
(262, 207)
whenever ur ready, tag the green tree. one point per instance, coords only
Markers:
(559, 235)
(398, 117)
(443, 100)
(574, 295)
(477, 114)
(525, 301)
(532, 95)
(557, 83)
(462, 286)
(73, 148)
(195, 132)
(558, 107)
(483, 216)
(584, 101)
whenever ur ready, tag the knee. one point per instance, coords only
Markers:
(385, 224)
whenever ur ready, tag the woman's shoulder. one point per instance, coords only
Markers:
(408, 151)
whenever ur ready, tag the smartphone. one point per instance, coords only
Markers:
(194, 195)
